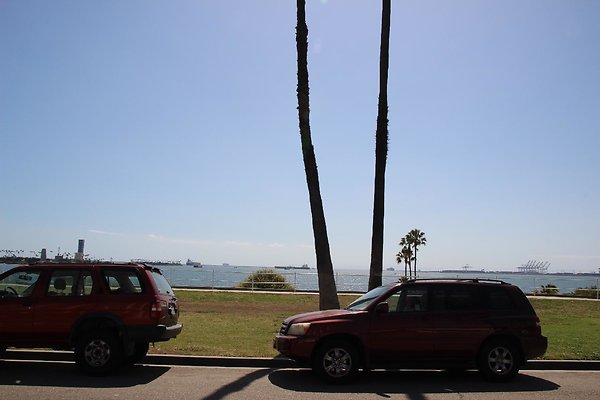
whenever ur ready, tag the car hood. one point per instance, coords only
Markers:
(319, 315)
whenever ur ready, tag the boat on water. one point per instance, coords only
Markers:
(305, 266)
(195, 264)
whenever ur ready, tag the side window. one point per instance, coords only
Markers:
(461, 299)
(123, 281)
(19, 284)
(455, 298)
(413, 300)
(85, 284)
(393, 302)
(70, 282)
(499, 299)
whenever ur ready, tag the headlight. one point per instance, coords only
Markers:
(299, 329)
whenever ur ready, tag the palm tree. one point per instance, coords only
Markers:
(328, 298)
(381, 150)
(405, 255)
(406, 247)
(416, 238)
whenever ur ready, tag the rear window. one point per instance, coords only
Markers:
(162, 285)
(123, 281)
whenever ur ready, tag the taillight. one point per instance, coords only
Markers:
(538, 327)
(155, 310)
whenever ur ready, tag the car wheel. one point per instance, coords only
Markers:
(336, 361)
(98, 353)
(499, 361)
(140, 349)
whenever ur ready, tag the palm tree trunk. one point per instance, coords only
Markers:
(381, 150)
(328, 298)
(415, 265)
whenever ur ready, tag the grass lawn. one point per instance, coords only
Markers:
(220, 323)
(572, 328)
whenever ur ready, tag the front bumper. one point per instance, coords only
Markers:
(295, 347)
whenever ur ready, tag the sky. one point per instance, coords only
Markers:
(168, 130)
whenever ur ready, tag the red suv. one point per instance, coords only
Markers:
(107, 313)
(486, 324)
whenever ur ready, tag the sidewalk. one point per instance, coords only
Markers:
(255, 362)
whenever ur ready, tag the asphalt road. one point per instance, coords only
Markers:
(40, 380)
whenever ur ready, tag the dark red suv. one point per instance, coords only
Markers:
(107, 313)
(460, 324)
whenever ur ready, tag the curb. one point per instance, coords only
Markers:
(258, 362)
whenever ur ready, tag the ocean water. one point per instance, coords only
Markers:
(357, 280)
(229, 276)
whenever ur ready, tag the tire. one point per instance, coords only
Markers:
(140, 349)
(336, 361)
(98, 353)
(499, 361)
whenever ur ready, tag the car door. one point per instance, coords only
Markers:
(17, 296)
(460, 321)
(402, 334)
(67, 296)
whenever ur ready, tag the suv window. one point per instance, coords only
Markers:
(19, 284)
(455, 298)
(499, 299)
(70, 283)
(411, 300)
(162, 285)
(123, 282)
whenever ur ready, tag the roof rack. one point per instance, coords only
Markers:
(474, 280)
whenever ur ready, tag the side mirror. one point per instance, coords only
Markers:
(382, 308)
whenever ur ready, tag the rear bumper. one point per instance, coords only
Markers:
(534, 347)
(156, 333)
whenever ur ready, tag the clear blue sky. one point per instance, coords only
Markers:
(168, 130)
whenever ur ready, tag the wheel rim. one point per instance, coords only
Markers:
(337, 362)
(97, 353)
(500, 360)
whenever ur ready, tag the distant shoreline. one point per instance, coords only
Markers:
(31, 260)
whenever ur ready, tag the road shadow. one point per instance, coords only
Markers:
(414, 384)
(64, 374)
(238, 385)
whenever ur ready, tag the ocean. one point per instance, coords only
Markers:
(347, 280)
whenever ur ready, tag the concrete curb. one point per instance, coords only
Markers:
(257, 362)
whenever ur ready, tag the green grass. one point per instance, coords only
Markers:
(242, 324)
(572, 328)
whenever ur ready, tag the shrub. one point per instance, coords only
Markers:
(547, 289)
(591, 292)
(266, 278)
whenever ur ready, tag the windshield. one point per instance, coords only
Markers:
(366, 299)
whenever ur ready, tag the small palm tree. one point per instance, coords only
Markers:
(416, 238)
(405, 255)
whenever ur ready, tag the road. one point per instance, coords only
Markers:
(25, 380)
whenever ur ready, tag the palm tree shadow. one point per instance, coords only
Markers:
(414, 384)
(237, 385)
